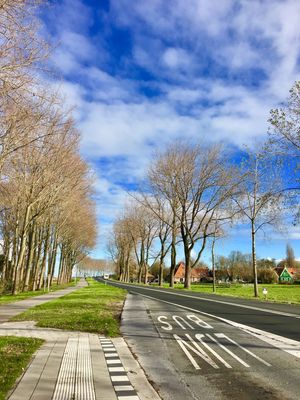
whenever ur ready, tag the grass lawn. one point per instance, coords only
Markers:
(95, 308)
(277, 293)
(15, 353)
(10, 298)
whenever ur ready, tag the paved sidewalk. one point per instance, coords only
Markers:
(9, 310)
(74, 365)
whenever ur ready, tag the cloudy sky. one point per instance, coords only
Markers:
(142, 73)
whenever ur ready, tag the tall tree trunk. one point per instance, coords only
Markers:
(22, 250)
(173, 253)
(122, 271)
(14, 256)
(127, 279)
(161, 265)
(52, 260)
(6, 262)
(42, 278)
(36, 259)
(31, 245)
(61, 263)
(142, 262)
(187, 254)
(140, 274)
(213, 264)
(145, 273)
(254, 258)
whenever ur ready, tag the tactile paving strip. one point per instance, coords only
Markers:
(121, 383)
(75, 380)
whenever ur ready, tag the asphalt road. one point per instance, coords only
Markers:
(191, 347)
(279, 319)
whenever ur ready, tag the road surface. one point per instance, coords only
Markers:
(199, 346)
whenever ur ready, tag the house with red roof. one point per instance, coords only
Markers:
(196, 275)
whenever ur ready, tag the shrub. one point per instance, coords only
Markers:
(267, 275)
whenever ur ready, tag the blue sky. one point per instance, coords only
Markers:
(143, 73)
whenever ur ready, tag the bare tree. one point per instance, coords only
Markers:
(45, 189)
(195, 181)
(220, 223)
(21, 48)
(120, 247)
(143, 230)
(259, 199)
(286, 122)
(163, 217)
(290, 256)
(285, 141)
(42, 182)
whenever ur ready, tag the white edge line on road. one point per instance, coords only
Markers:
(288, 345)
(218, 301)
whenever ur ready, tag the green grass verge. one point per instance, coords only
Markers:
(15, 354)
(276, 293)
(10, 298)
(96, 308)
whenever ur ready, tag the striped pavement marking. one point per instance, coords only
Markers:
(121, 383)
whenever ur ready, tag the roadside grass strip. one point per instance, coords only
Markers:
(279, 293)
(15, 354)
(95, 309)
(119, 378)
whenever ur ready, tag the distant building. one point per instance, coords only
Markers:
(286, 274)
(196, 275)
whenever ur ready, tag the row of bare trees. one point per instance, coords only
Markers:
(193, 192)
(47, 217)
(94, 267)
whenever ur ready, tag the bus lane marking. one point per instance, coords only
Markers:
(192, 347)
(221, 335)
(199, 336)
(196, 349)
(287, 345)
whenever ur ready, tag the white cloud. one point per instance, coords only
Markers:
(78, 45)
(176, 58)
(219, 69)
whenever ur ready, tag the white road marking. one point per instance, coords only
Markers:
(176, 318)
(168, 326)
(186, 352)
(229, 351)
(196, 349)
(221, 335)
(199, 321)
(288, 345)
(199, 337)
